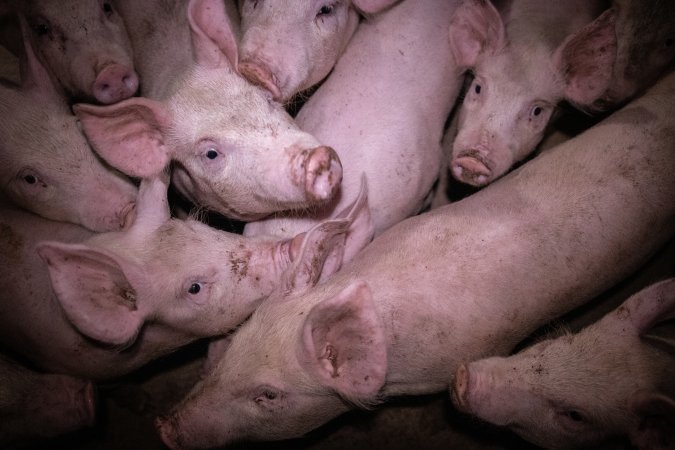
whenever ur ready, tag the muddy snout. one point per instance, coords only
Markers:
(472, 167)
(323, 174)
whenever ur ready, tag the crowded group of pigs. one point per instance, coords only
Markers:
(355, 279)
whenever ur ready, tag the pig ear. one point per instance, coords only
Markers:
(652, 305)
(475, 27)
(373, 6)
(34, 75)
(214, 32)
(152, 204)
(93, 291)
(586, 59)
(656, 421)
(344, 344)
(361, 228)
(129, 135)
(320, 252)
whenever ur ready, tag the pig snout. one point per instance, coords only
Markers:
(323, 174)
(115, 82)
(472, 167)
(259, 74)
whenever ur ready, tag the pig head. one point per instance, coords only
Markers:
(35, 405)
(611, 379)
(333, 355)
(234, 150)
(517, 85)
(46, 164)
(179, 275)
(85, 46)
(289, 46)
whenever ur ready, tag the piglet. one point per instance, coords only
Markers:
(234, 150)
(614, 378)
(289, 46)
(385, 118)
(34, 405)
(47, 166)
(523, 65)
(458, 283)
(85, 46)
(70, 301)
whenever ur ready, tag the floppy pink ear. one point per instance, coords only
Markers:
(475, 27)
(651, 305)
(373, 6)
(214, 33)
(344, 344)
(656, 421)
(586, 59)
(129, 135)
(94, 292)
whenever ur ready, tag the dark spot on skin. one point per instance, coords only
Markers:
(623, 312)
(10, 242)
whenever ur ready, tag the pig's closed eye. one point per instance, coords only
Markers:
(42, 28)
(268, 397)
(573, 419)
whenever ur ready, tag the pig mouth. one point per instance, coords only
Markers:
(472, 167)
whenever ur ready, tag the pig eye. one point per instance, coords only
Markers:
(209, 149)
(477, 88)
(537, 110)
(194, 288)
(107, 8)
(326, 10)
(211, 153)
(31, 178)
(575, 416)
(267, 396)
(42, 28)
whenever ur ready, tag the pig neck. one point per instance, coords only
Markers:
(474, 278)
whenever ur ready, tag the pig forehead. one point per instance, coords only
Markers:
(519, 73)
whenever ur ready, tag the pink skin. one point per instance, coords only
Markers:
(175, 280)
(578, 390)
(46, 163)
(640, 25)
(85, 46)
(549, 51)
(234, 150)
(346, 112)
(289, 46)
(35, 405)
(401, 315)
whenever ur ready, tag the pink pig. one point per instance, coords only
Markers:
(46, 164)
(35, 405)
(384, 118)
(547, 51)
(234, 150)
(461, 282)
(614, 378)
(289, 46)
(158, 285)
(85, 46)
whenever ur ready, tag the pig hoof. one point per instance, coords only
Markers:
(260, 76)
(323, 174)
(470, 170)
(115, 83)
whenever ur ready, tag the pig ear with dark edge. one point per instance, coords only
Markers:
(214, 33)
(656, 421)
(475, 27)
(94, 292)
(315, 249)
(373, 6)
(586, 59)
(344, 345)
(129, 135)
